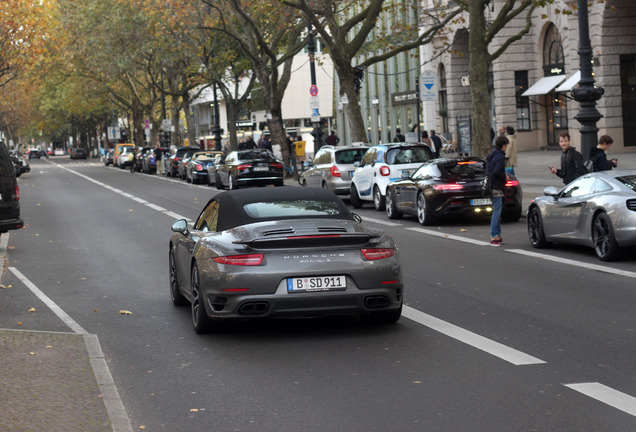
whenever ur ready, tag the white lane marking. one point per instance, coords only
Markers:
(596, 267)
(50, 303)
(4, 241)
(450, 236)
(607, 395)
(496, 349)
(117, 414)
(140, 200)
(380, 221)
(156, 207)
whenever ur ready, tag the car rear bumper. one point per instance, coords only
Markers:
(11, 224)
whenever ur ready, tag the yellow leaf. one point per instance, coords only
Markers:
(31, 310)
(32, 353)
(2, 286)
(142, 427)
(130, 210)
(19, 323)
(194, 410)
(125, 312)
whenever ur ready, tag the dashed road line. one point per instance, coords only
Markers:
(607, 395)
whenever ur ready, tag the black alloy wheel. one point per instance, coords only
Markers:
(536, 233)
(200, 319)
(178, 299)
(605, 245)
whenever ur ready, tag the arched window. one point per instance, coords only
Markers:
(442, 97)
(553, 60)
(556, 103)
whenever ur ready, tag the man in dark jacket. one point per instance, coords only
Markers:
(437, 142)
(496, 168)
(572, 164)
(598, 156)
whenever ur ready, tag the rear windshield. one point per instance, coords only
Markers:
(6, 165)
(629, 181)
(407, 155)
(282, 209)
(256, 154)
(349, 156)
(463, 168)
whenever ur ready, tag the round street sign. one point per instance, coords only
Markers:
(313, 90)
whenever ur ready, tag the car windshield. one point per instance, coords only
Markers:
(629, 181)
(278, 209)
(349, 156)
(256, 154)
(463, 168)
(407, 155)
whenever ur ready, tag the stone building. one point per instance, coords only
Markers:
(530, 83)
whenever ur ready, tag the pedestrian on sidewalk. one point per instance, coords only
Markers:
(437, 143)
(572, 164)
(511, 150)
(333, 139)
(496, 169)
(598, 156)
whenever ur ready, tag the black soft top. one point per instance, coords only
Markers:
(233, 214)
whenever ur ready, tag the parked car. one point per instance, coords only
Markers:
(108, 157)
(172, 162)
(20, 162)
(43, 153)
(443, 188)
(596, 210)
(58, 152)
(125, 158)
(197, 167)
(245, 258)
(34, 154)
(119, 148)
(138, 161)
(78, 153)
(150, 161)
(249, 168)
(10, 193)
(382, 164)
(332, 168)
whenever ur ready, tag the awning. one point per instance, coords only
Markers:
(569, 83)
(544, 85)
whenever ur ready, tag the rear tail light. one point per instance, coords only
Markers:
(240, 260)
(385, 170)
(17, 192)
(199, 167)
(512, 183)
(448, 187)
(377, 254)
(276, 165)
(243, 167)
(335, 172)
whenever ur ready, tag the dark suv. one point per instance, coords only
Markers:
(9, 193)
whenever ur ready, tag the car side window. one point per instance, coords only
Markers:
(580, 187)
(207, 221)
(369, 157)
(601, 186)
(321, 157)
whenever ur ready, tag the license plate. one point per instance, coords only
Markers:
(351, 173)
(316, 283)
(406, 173)
(478, 202)
(261, 168)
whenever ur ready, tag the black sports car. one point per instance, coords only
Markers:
(449, 187)
(249, 168)
(273, 252)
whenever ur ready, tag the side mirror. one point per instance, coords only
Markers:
(356, 164)
(180, 226)
(550, 191)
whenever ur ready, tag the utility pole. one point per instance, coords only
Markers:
(317, 133)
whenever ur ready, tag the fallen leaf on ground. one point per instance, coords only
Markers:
(194, 410)
(125, 312)
(31, 310)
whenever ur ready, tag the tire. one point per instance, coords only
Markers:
(424, 215)
(218, 183)
(356, 202)
(379, 202)
(605, 245)
(382, 317)
(175, 292)
(536, 232)
(233, 185)
(200, 320)
(391, 211)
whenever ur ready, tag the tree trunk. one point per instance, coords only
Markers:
(353, 111)
(192, 138)
(232, 114)
(478, 69)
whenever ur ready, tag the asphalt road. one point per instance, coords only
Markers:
(492, 339)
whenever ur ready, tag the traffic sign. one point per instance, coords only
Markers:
(428, 87)
(313, 90)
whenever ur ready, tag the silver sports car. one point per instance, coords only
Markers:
(270, 252)
(596, 210)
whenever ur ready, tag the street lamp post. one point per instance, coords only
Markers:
(587, 93)
(217, 128)
(317, 133)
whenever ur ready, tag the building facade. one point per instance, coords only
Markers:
(530, 83)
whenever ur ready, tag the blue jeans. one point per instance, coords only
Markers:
(495, 220)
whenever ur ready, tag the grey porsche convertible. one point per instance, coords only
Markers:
(282, 252)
